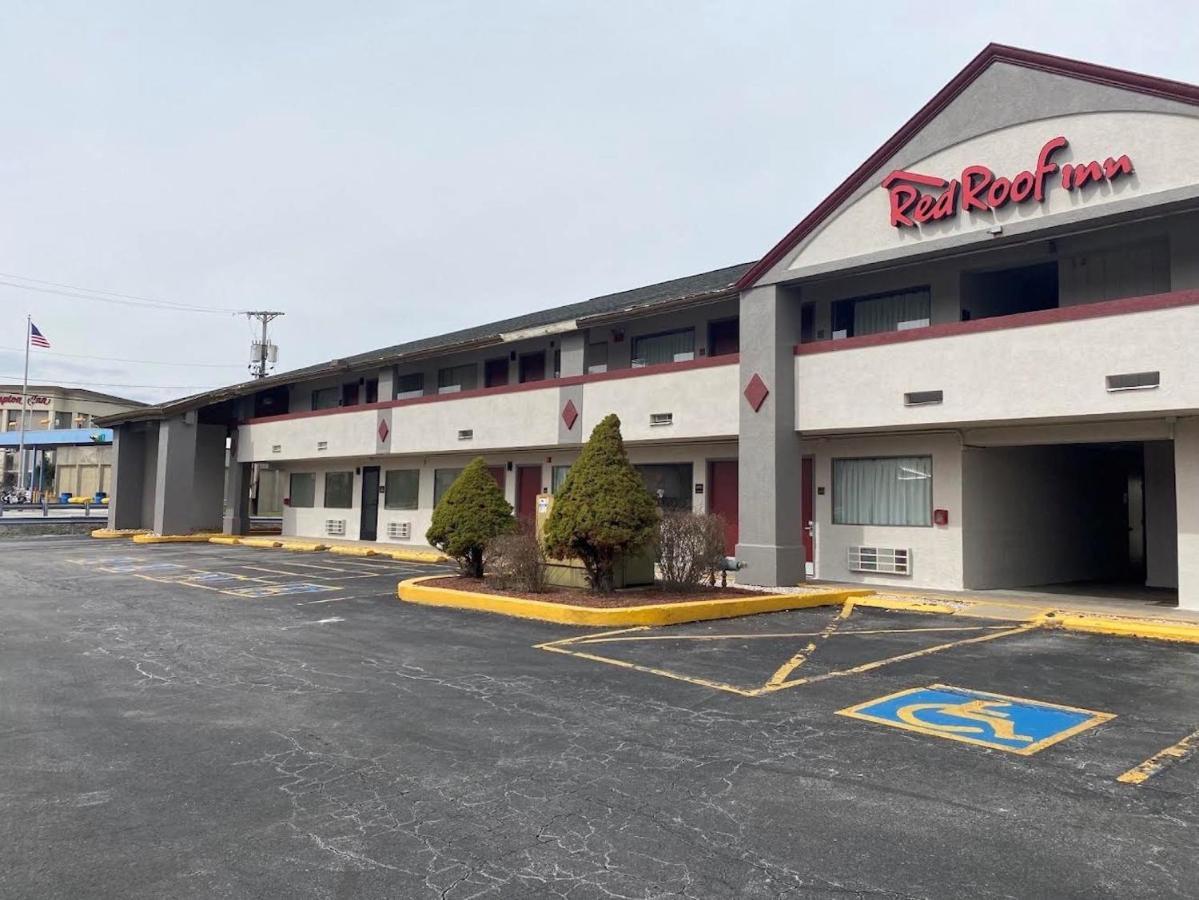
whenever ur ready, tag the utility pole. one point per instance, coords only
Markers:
(259, 363)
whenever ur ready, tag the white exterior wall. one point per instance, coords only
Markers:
(703, 403)
(310, 522)
(1043, 371)
(1186, 474)
(936, 551)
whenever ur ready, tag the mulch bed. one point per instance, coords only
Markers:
(642, 596)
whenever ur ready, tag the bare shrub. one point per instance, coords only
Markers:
(690, 549)
(516, 562)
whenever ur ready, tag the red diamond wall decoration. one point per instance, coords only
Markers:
(384, 431)
(569, 414)
(756, 392)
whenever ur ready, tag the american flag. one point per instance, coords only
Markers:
(36, 338)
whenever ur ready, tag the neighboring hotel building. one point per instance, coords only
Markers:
(972, 366)
(63, 448)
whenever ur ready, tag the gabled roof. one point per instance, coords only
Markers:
(992, 53)
(701, 288)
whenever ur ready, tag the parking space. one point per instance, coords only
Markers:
(186, 738)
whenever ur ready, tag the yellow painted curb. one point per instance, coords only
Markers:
(423, 556)
(353, 551)
(173, 538)
(414, 591)
(1151, 629)
(923, 606)
(230, 539)
(301, 546)
(263, 542)
(109, 533)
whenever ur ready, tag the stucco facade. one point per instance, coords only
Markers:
(971, 367)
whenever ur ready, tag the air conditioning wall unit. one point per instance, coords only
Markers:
(399, 531)
(335, 527)
(881, 560)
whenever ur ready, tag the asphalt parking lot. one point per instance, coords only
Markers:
(200, 721)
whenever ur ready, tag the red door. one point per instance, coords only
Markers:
(722, 498)
(497, 472)
(808, 512)
(528, 486)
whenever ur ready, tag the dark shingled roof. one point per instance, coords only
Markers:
(679, 291)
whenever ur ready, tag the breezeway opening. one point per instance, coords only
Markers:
(1085, 519)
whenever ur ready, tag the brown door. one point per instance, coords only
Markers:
(722, 498)
(495, 372)
(807, 511)
(532, 367)
(724, 337)
(528, 486)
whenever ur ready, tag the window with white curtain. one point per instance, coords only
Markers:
(879, 313)
(893, 490)
(669, 346)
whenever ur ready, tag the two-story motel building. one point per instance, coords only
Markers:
(974, 365)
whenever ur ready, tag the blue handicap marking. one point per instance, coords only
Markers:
(276, 590)
(214, 578)
(978, 717)
(134, 569)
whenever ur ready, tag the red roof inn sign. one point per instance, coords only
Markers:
(979, 190)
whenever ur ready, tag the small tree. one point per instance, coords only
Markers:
(472, 512)
(603, 510)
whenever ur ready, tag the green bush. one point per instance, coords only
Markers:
(603, 510)
(471, 513)
(690, 549)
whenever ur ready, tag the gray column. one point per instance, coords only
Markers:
(237, 495)
(771, 531)
(572, 347)
(128, 474)
(1186, 486)
(174, 475)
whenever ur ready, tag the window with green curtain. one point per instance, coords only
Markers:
(326, 398)
(339, 490)
(670, 483)
(442, 479)
(301, 490)
(893, 490)
(558, 477)
(668, 346)
(403, 489)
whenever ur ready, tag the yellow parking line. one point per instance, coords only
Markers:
(650, 670)
(781, 673)
(593, 639)
(770, 687)
(1175, 753)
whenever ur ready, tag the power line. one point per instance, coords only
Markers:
(167, 387)
(149, 362)
(76, 292)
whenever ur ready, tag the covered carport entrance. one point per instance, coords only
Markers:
(1093, 518)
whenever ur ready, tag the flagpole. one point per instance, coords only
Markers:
(24, 401)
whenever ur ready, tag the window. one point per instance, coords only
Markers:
(403, 489)
(532, 367)
(877, 313)
(669, 346)
(339, 490)
(596, 357)
(452, 379)
(410, 385)
(558, 478)
(372, 390)
(326, 398)
(896, 490)
(442, 479)
(62, 420)
(302, 490)
(1005, 292)
(669, 482)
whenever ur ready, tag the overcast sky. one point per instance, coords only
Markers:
(387, 171)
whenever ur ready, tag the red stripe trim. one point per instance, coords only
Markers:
(703, 362)
(1099, 310)
(1084, 71)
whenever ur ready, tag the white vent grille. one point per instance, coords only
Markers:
(885, 560)
(399, 531)
(466, 434)
(322, 445)
(923, 398)
(276, 448)
(335, 527)
(656, 419)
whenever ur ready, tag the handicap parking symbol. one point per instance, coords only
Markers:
(978, 717)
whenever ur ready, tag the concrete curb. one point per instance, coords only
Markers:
(173, 538)
(413, 590)
(309, 546)
(110, 534)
